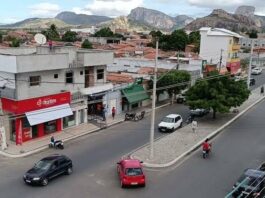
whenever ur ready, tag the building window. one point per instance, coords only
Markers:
(69, 77)
(34, 80)
(55, 75)
(81, 73)
(25, 123)
(100, 74)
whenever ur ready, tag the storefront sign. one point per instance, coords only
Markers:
(22, 106)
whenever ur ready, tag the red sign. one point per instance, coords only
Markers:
(233, 67)
(23, 106)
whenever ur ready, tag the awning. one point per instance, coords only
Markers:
(96, 89)
(48, 114)
(135, 93)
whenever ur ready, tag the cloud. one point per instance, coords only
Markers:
(112, 8)
(9, 20)
(44, 10)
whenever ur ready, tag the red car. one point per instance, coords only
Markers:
(130, 173)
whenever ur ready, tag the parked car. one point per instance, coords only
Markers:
(250, 184)
(181, 98)
(252, 82)
(170, 123)
(256, 71)
(48, 168)
(199, 112)
(130, 173)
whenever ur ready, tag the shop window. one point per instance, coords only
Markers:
(69, 77)
(69, 120)
(55, 75)
(50, 127)
(34, 80)
(25, 123)
(100, 74)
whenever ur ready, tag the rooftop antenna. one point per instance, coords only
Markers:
(40, 39)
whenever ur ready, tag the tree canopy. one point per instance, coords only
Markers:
(104, 32)
(69, 36)
(195, 39)
(15, 42)
(86, 44)
(51, 33)
(173, 77)
(253, 34)
(218, 93)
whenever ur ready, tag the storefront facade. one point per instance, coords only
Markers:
(37, 117)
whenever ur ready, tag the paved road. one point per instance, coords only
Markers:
(260, 80)
(94, 158)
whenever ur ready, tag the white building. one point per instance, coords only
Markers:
(220, 46)
(47, 90)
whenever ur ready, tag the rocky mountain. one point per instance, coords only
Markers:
(157, 19)
(126, 23)
(81, 19)
(36, 23)
(244, 19)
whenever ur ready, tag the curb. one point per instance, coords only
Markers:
(39, 149)
(198, 145)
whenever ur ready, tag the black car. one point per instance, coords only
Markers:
(47, 169)
(250, 184)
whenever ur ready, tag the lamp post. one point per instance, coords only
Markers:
(250, 63)
(152, 128)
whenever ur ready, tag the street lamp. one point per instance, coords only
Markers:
(250, 63)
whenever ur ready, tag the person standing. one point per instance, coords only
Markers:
(103, 111)
(113, 111)
(50, 45)
(194, 126)
(262, 90)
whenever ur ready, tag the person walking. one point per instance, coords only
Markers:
(262, 90)
(113, 111)
(103, 111)
(194, 126)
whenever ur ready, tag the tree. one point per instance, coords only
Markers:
(86, 44)
(173, 77)
(195, 39)
(253, 34)
(104, 32)
(69, 36)
(51, 33)
(218, 93)
(15, 42)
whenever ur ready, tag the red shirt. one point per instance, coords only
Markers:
(113, 110)
(206, 146)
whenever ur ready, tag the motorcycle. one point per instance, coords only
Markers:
(189, 119)
(130, 116)
(58, 144)
(140, 116)
(205, 153)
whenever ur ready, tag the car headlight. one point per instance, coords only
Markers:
(36, 178)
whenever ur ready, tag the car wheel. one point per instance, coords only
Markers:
(122, 185)
(45, 182)
(173, 129)
(180, 126)
(143, 185)
(69, 171)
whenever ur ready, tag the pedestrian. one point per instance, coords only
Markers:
(262, 90)
(113, 111)
(103, 111)
(50, 45)
(194, 126)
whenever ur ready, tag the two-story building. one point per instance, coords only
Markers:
(220, 47)
(44, 91)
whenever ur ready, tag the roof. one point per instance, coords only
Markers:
(219, 32)
(131, 163)
(135, 93)
(172, 115)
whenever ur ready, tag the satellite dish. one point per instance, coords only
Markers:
(40, 39)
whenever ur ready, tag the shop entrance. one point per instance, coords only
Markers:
(34, 131)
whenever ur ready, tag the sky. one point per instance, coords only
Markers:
(16, 10)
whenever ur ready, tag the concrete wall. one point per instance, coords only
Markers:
(113, 99)
(8, 63)
(18, 50)
(210, 48)
(25, 91)
(95, 58)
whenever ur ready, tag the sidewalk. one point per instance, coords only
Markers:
(173, 147)
(37, 145)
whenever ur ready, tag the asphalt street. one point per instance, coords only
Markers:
(260, 80)
(94, 157)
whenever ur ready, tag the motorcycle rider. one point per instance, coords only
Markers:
(206, 146)
(52, 141)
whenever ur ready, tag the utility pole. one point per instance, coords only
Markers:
(221, 58)
(152, 128)
(250, 63)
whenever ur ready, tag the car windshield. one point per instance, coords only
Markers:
(167, 119)
(43, 165)
(133, 171)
